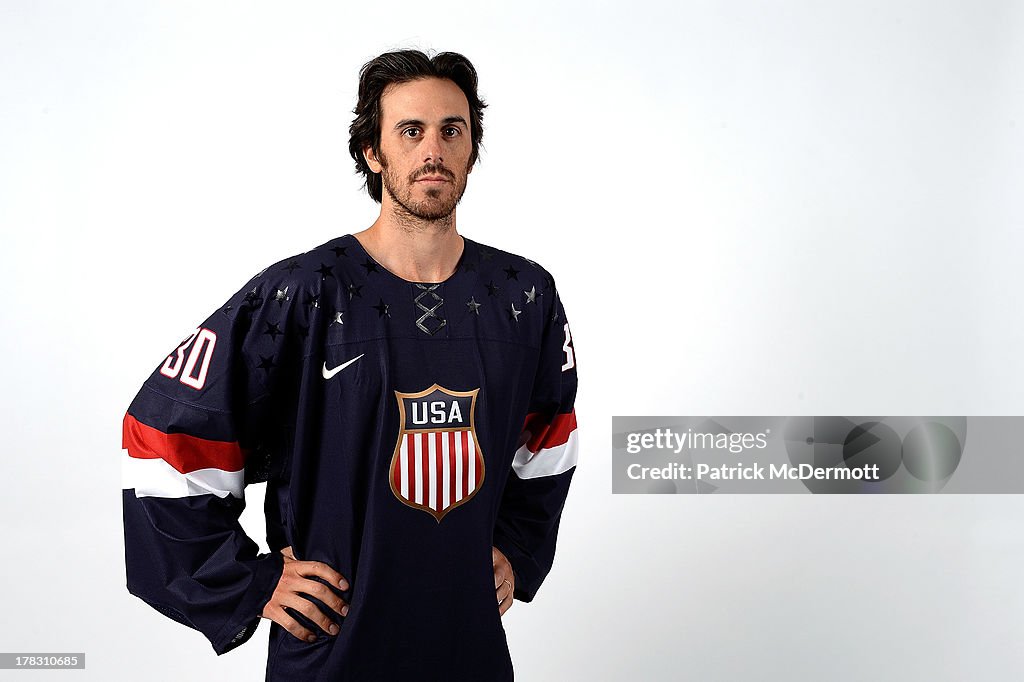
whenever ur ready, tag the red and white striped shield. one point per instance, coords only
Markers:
(437, 464)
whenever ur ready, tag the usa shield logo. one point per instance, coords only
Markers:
(438, 464)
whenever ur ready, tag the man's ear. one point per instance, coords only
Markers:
(371, 159)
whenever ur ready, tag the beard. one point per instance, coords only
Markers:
(440, 202)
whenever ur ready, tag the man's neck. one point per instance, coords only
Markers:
(416, 250)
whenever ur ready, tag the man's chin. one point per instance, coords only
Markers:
(434, 209)
(433, 215)
(436, 204)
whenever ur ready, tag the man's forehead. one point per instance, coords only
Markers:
(425, 99)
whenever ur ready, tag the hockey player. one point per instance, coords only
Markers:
(406, 393)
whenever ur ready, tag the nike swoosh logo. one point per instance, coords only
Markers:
(328, 373)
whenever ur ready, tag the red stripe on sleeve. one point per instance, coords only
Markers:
(183, 452)
(548, 432)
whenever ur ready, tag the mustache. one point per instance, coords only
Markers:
(432, 169)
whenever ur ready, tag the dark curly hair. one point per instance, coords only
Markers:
(400, 67)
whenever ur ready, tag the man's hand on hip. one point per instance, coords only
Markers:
(504, 580)
(296, 580)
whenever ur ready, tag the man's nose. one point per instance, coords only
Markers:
(432, 147)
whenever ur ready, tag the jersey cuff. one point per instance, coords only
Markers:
(267, 569)
(522, 566)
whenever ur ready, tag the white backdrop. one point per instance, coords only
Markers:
(750, 208)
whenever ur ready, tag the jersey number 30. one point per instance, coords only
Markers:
(570, 358)
(202, 342)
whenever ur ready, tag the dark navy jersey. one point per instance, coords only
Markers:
(402, 428)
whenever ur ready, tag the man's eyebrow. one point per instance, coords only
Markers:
(416, 122)
(408, 122)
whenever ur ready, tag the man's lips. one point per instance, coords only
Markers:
(432, 178)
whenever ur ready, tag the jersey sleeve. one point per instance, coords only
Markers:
(205, 423)
(531, 506)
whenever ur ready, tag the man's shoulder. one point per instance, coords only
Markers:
(497, 264)
(306, 271)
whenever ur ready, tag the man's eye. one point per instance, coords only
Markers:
(452, 131)
(411, 132)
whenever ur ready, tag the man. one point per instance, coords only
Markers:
(406, 393)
